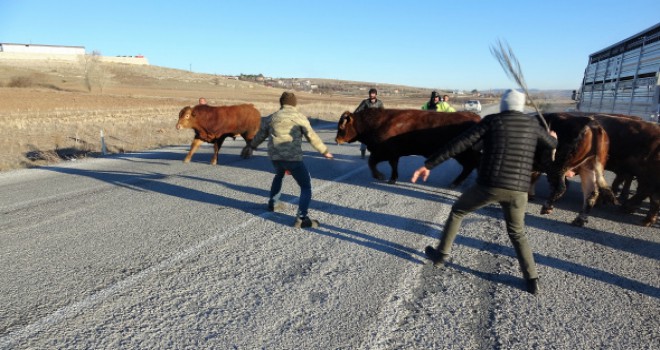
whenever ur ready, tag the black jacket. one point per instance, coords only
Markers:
(509, 142)
(366, 103)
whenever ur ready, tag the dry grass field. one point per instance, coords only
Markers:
(52, 115)
(56, 110)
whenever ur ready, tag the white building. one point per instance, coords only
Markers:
(59, 53)
(44, 49)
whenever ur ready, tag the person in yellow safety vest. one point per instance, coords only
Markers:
(444, 106)
(435, 104)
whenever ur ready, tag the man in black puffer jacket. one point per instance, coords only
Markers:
(508, 141)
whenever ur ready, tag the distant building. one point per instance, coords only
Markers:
(47, 49)
(58, 53)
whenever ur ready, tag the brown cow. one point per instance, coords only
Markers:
(215, 124)
(392, 133)
(635, 152)
(581, 149)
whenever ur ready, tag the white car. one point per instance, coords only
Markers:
(472, 106)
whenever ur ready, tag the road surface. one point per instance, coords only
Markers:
(143, 251)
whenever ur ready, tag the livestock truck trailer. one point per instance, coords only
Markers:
(624, 78)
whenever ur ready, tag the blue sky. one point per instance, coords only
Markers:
(434, 44)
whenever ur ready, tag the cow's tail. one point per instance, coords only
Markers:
(563, 154)
(601, 146)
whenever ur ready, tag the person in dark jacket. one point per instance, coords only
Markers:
(508, 140)
(371, 102)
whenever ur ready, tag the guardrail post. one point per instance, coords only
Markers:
(104, 150)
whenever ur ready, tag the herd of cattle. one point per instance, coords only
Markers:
(588, 144)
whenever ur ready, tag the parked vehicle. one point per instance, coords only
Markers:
(623, 78)
(472, 106)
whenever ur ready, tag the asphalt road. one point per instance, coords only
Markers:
(143, 251)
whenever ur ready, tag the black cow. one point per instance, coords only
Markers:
(635, 153)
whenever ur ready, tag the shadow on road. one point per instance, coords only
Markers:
(564, 265)
(152, 182)
(149, 181)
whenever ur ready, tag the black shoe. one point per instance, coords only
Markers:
(533, 286)
(306, 222)
(438, 259)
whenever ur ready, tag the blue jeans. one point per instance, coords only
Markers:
(301, 175)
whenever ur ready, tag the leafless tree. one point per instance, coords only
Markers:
(92, 70)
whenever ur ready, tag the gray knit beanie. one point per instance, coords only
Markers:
(512, 100)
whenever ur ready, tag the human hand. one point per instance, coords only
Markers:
(328, 155)
(423, 172)
(553, 133)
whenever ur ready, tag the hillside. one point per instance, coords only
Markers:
(53, 110)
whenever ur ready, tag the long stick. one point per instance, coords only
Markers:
(511, 67)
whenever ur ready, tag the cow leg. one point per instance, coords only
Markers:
(248, 149)
(633, 203)
(643, 191)
(461, 177)
(616, 183)
(557, 182)
(590, 195)
(247, 136)
(531, 193)
(373, 161)
(216, 149)
(606, 195)
(469, 160)
(394, 164)
(652, 216)
(193, 148)
(625, 190)
(624, 193)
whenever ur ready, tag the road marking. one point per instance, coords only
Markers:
(74, 309)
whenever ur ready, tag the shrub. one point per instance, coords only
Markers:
(20, 82)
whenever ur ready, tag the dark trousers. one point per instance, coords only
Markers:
(303, 179)
(513, 204)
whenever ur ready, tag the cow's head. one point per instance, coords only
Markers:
(346, 129)
(185, 118)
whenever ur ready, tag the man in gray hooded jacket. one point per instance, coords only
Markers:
(509, 141)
